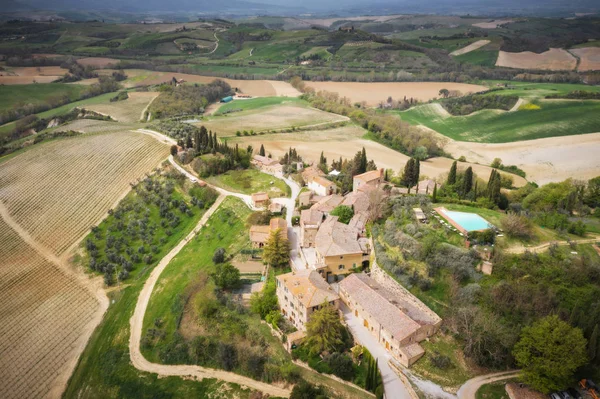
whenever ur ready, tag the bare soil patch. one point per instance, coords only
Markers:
(470, 47)
(98, 62)
(589, 58)
(284, 89)
(39, 71)
(493, 24)
(28, 75)
(25, 80)
(545, 160)
(250, 266)
(310, 144)
(374, 93)
(555, 59)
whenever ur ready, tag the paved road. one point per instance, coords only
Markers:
(469, 388)
(137, 320)
(393, 385)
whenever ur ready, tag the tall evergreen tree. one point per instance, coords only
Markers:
(408, 176)
(434, 196)
(188, 142)
(363, 161)
(452, 174)
(467, 183)
(261, 152)
(416, 172)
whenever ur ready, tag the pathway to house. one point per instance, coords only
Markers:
(393, 385)
(469, 388)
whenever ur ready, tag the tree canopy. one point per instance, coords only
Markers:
(277, 250)
(343, 212)
(550, 351)
(324, 330)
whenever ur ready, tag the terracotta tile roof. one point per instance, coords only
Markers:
(310, 172)
(309, 287)
(380, 304)
(370, 175)
(412, 350)
(281, 224)
(327, 203)
(322, 181)
(311, 217)
(257, 197)
(259, 233)
(336, 239)
(357, 200)
(264, 160)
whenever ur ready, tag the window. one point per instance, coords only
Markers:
(354, 265)
(342, 257)
(340, 267)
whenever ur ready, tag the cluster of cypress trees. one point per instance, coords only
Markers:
(493, 187)
(373, 379)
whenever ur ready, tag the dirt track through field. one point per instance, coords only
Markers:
(589, 58)
(470, 47)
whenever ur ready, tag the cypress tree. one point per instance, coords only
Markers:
(261, 152)
(409, 170)
(416, 171)
(434, 196)
(593, 347)
(467, 181)
(363, 161)
(452, 174)
(188, 142)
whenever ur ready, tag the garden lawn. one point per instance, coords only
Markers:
(494, 390)
(554, 118)
(249, 181)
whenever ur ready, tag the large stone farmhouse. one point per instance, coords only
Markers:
(260, 234)
(367, 180)
(310, 221)
(302, 292)
(396, 318)
(321, 186)
(340, 248)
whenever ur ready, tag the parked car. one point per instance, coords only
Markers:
(565, 395)
(574, 393)
(555, 395)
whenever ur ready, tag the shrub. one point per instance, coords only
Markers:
(517, 226)
(219, 255)
(440, 361)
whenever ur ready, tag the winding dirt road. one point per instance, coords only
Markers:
(197, 372)
(542, 247)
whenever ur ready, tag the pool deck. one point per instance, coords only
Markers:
(440, 211)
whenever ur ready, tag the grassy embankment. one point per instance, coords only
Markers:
(104, 369)
(547, 118)
(495, 390)
(250, 181)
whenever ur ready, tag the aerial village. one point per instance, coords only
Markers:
(333, 262)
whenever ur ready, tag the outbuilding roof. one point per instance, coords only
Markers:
(337, 239)
(309, 287)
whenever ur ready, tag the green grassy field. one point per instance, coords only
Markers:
(225, 228)
(12, 96)
(529, 90)
(554, 118)
(250, 181)
(260, 102)
(480, 56)
(103, 98)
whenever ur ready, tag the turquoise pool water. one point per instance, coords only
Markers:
(468, 221)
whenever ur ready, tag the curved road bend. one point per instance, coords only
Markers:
(137, 320)
(469, 388)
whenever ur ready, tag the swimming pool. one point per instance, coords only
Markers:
(468, 221)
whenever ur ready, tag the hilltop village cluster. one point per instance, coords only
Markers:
(330, 260)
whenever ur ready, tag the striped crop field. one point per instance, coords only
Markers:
(43, 314)
(58, 190)
(50, 196)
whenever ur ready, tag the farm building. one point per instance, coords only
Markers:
(310, 221)
(260, 234)
(390, 316)
(321, 186)
(372, 178)
(259, 200)
(227, 99)
(302, 292)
